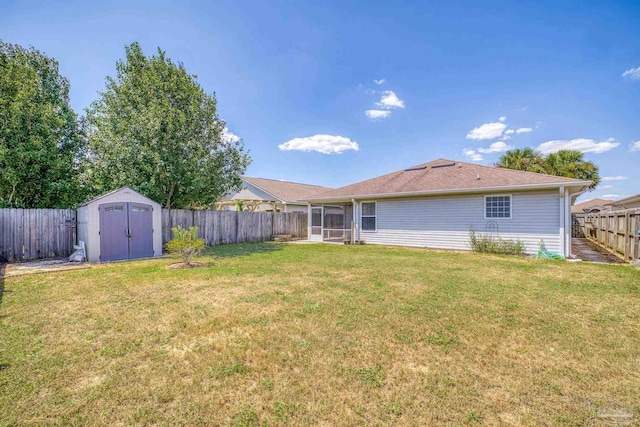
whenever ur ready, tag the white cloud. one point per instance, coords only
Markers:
(325, 144)
(502, 118)
(523, 130)
(635, 146)
(632, 73)
(613, 178)
(390, 100)
(509, 132)
(472, 155)
(583, 145)
(378, 114)
(380, 82)
(229, 137)
(487, 131)
(496, 147)
(604, 187)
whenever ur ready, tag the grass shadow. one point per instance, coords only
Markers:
(242, 249)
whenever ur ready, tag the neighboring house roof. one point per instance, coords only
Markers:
(447, 176)
(627, 201)
(589, 204)
(284, 191)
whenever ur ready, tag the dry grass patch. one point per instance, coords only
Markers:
(271, 334)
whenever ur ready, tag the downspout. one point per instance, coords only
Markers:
(563, 247)
(356, 228)
(309, 219)
(567, 219)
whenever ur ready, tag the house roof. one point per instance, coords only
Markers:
(284, 191)
(447, 176)
(580, 207)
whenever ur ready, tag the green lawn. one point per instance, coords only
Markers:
(269, 334)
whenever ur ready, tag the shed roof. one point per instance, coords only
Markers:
(102, 196)
(447, 176)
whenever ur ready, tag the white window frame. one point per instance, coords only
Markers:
(375, 205)
(484, 206)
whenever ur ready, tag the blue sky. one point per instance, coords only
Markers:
(386, 84)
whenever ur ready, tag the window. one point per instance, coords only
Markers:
(368, 216)
(113, 208)
(140, 209)
(497, 206)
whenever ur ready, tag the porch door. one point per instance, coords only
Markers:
(316, 224)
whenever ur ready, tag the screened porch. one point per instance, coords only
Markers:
(331, 222)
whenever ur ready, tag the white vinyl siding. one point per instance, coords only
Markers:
(444, 221)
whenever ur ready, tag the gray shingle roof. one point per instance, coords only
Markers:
(442, 175)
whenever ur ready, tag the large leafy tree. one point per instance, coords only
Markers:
(40, 135)
(566, 163)
(155, 129)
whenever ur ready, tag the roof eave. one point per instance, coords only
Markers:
(577, 184)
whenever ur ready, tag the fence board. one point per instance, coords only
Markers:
(29, 234)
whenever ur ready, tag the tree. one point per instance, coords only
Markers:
(156, 130)
(185, 243)
(40, 135)
(565, 163)
(571, 164)
(523, 159)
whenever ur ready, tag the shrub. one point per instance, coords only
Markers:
(185, 243)
(494, 245)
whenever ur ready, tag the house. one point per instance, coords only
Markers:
(262, 194)
(436, 204)
(632, 202)
(591, 206)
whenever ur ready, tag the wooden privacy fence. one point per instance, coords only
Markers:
(27, 234)
(617, 230)
(220, 227)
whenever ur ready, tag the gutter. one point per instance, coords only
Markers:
(584, 184)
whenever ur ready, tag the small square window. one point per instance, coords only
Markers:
(497, 207)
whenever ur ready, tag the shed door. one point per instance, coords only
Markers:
(126, 231)
(140, 231)
(114, 240)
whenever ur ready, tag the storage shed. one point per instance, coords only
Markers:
(122, 224)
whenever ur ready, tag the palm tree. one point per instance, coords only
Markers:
(571, 164)
(523, 159)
